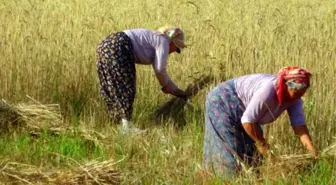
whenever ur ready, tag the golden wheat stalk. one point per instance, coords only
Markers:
(93, 172)
(284, 165)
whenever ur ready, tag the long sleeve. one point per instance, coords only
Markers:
(159, 65)
(296, 113)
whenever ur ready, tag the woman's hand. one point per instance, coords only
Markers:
(255, 134)
(177, 92)
(303, 132)
(263, 148)
(315, 153)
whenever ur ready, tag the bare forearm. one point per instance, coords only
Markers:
(178, 92)
(255, 134)
(253, 131)
(303, 132)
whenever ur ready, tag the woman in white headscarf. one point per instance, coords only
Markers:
(117, 55)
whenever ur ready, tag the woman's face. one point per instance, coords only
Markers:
(172, 48)
(294, 94)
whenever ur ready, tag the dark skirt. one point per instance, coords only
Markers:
(225, 141)
(117, 76)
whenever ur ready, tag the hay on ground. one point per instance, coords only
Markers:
(32, 117)
(94, 172)
(287, 165)
(293, 164)
(37, 118)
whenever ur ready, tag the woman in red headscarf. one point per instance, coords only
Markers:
(236, 109)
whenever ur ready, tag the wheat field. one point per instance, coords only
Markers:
(47, 52)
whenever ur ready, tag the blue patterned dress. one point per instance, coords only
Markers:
(225, 139)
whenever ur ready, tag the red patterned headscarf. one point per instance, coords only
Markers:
(291, 73)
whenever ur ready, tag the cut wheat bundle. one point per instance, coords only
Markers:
(37, 118)
(34, 117)
(94, 172)
(293, 164)
(287, 165)
(174, 108)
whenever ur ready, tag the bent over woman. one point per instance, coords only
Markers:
(236, 109)
(117, 55)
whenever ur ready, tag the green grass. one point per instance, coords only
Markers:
(47, 51)
(44, 150)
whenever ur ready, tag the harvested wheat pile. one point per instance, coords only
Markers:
(90, 173)
(9, 116)
(36, 118)
(32, 117)
(174, 108)
(293, 164)
(287, 165)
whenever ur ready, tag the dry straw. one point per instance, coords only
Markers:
(174, 108)
(292, 164)
(91, 173)
(37, 118)
(274, 167)
(32, 117)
